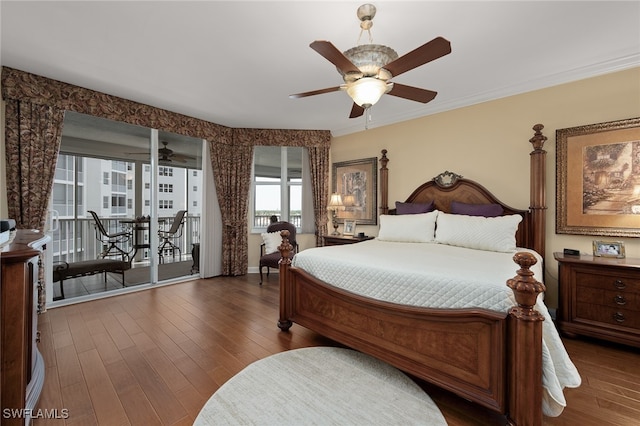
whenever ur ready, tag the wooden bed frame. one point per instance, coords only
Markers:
(491, 358)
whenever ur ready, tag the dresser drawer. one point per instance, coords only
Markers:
(599, 297)
(608, 315)
(613, 299)
(608, 280)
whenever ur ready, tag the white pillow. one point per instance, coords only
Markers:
(271, 241)
(477, 232)
(410, 228)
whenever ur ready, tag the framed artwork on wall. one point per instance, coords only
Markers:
(598, 179)
(357, 183)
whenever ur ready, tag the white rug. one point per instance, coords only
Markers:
(320, 386)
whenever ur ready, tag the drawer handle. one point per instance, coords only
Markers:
(620, 300)
(618, 316)
(619, 285)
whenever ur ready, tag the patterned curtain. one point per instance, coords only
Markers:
(232, 172)
(32, 140)
(319, 165)
(32, 137)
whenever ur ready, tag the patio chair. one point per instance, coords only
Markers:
(169, 237)
(111, 242)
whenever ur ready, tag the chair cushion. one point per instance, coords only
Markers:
(271, 241)
(271, 260)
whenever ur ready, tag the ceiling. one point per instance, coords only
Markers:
(236, 63)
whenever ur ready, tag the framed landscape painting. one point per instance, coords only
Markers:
(598, 179)
(356, 181)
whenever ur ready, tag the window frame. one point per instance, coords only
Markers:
(285, 189)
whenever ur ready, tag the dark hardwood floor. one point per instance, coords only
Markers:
(154, 358)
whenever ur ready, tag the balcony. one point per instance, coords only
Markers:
(75, 240)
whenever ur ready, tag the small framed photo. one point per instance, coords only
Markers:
(349, 227)
(608, 249)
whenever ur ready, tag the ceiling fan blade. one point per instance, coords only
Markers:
(356, 111)
(335, 56)
(412, 93)
(315, 92)
(428, 52)
(182, 158)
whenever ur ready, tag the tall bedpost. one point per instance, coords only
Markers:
(538, 192)
(284, 323)
(384, 183)
(524, 350)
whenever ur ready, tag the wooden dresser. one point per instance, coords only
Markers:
(599, 297)
(22, 366)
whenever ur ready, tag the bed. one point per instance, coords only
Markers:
(497, 351)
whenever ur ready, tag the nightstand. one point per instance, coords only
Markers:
(338, 240)
(599, 297)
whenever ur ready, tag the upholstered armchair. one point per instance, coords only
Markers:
(269, 253)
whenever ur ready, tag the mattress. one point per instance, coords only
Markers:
(441, 276)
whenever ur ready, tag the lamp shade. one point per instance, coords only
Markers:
(349, 200)
(335, 202)
(366, 91)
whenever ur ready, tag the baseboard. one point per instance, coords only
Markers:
(256, 270)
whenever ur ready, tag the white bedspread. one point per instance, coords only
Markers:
(441, 276)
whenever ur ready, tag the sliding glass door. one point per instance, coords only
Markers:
(137, 181)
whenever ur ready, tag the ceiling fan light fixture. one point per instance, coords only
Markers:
(370, 58)
(367, 91)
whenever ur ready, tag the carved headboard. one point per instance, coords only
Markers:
(448, 186)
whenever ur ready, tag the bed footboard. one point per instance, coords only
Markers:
(491, 358)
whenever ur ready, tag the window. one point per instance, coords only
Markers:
(195, 173)
(129, 184)
(195, 203)
(277, 186)
(165, 171)
(105, 202)
(105, 178)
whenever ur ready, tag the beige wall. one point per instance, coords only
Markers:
(489, 143)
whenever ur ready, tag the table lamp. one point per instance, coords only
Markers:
(335, 204)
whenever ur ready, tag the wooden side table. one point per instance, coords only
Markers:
(599, 297)
(338, 240)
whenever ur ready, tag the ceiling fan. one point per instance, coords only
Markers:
(368, 68)
(166, 155)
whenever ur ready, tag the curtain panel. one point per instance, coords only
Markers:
(32, 141)
(235, 146)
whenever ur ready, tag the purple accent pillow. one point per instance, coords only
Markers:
(486, 210)
(414, 208)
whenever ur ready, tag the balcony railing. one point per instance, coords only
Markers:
(76, 240)
(263, 221)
